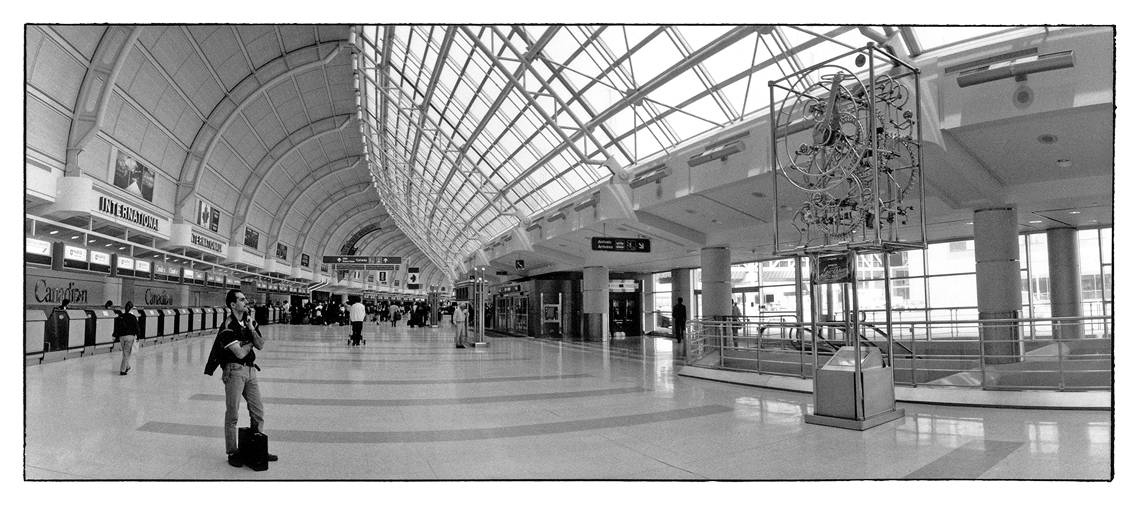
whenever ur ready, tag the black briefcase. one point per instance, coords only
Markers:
(254, 448)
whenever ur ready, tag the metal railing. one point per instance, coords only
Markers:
(1073, 353)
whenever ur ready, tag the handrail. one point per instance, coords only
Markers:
(1008, 359)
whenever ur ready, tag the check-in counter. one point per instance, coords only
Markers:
(100, 327)
(169, 323)
(208, 318)
(75, 334)
(182, 323)
(198, 317)
(223, 313)
(35, 325)
(150, 324)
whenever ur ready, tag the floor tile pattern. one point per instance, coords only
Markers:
(408, 405)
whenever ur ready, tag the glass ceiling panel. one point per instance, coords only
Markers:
(935, 37)
(485, 146)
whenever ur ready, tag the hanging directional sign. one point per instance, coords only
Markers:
(413, 281)
(622, 244)
(348, 259)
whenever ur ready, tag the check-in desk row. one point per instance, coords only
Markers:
(59, 334)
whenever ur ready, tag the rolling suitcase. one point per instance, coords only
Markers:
(254, 448)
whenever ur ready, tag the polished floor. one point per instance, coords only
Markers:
(410, 406)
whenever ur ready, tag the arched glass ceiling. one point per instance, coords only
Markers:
(470, 129)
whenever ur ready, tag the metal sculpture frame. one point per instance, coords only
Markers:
(858, 173)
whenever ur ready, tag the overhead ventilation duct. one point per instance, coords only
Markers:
(720, 149)
(649, 176)
(1019, 66)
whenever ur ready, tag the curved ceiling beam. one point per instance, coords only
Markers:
(333, 200)
(207, 138)
(398, 242)
(95, 91)
(375, 241)
(326, 244)
(329, 247)
(308, 183)
(270, 161)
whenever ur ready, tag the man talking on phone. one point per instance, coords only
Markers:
(238, 338)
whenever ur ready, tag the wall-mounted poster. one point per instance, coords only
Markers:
(304, 260)
(252, 237)
(134, 177)
(208, 216)
(282, 251)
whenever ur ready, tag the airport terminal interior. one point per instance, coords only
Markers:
(620, 252)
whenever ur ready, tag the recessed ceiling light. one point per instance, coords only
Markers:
(969, 223)
(1074, 212)
(107, 245)
(91, 241)
(75, 237)
(758, 195)
(53, 232)
(1092, 221)
(1034, 221)
(1046, 138)
(690, 211)
(715, 220)
(1064, 163)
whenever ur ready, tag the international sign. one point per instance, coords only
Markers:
(622, 244)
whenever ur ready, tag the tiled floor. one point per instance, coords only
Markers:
(409, 406)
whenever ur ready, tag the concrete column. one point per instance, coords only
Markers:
(716, 282)
(998, 281)
(682, 288)
(596, 303)
(1064, 279)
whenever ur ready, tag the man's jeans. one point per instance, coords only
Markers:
(241, 381)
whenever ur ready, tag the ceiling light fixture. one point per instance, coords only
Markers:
(1034, 222)
(1046, 138)
(74, 237)
(53, 232)
(1064, 163)
(1074, 212)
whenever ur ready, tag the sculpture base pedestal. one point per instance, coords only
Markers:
(847, 423)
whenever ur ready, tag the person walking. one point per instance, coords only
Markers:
(394, 313)
(126, 329)
(459, 319)
(680, 316)
(356, 315)
(233, 351)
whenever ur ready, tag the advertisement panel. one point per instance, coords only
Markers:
(134, 177)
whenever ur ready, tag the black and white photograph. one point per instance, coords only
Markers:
(133, 176)
(252, 238)
(711, 250)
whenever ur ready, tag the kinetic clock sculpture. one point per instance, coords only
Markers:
(848, 143)
(847, 177)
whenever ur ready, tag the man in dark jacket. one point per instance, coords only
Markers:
(126, 329)
(680, 316)
(233, 352)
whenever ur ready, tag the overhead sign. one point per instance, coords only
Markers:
(361, 260)
(622, 244)
(413, 281)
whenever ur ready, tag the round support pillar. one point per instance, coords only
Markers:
(998, 282)
(716, 282)
(596, 303)
(1064, 280)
